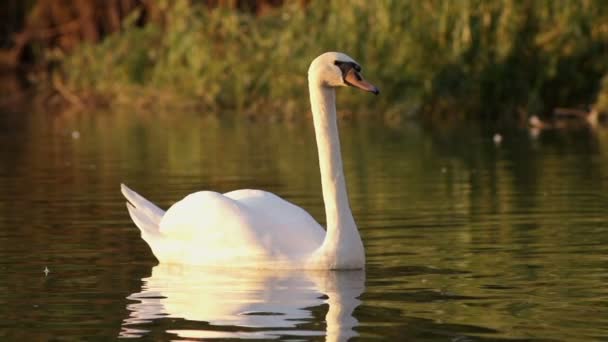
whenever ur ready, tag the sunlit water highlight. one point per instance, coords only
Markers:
(466, 240)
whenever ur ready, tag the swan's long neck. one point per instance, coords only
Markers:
(342, 247)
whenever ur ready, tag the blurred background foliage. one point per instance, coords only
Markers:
(444, 60)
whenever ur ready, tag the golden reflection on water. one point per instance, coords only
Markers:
(264, 303)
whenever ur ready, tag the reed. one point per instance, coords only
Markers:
(463, 59)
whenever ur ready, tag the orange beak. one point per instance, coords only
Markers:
(354, 79)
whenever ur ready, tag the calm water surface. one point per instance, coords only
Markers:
(466, 240)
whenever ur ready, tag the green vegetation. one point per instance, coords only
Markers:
(475, 58)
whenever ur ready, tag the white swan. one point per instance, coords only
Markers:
(253, 228)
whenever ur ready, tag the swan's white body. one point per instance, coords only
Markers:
(253, 228)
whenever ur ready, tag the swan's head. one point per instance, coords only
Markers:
(335, 69)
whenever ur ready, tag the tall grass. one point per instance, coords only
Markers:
(465, 58)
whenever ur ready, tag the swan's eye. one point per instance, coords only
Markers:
(346, 66)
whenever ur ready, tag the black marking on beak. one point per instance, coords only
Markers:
(351, 74)
(345, 67)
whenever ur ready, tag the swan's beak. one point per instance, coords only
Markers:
(354, 79)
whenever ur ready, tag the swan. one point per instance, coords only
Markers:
(257, 229)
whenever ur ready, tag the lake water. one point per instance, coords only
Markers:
(466, 240)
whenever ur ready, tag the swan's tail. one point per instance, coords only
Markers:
(144, 213)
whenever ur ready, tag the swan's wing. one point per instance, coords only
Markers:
(208, 228)
(242, 227)
(293, 226)
(144, 213)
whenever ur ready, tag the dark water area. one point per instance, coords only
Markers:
(466, 239)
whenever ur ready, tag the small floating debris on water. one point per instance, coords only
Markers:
(444, 169)
(46, 271)
(497, 138)
(536, 122)
(75, 135)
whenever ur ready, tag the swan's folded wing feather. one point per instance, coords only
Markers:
(286, 227)
(149, 229)
(146, 208)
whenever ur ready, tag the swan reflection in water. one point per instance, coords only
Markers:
(247, 303)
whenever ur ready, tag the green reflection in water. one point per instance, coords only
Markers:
(465, 239)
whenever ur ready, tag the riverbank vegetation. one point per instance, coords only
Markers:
(495, 59)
